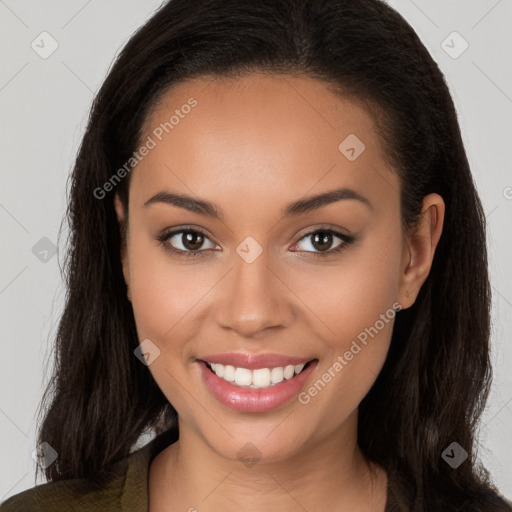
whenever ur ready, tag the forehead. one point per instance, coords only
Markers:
(270, 137)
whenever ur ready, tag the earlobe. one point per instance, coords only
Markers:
(420, 248)
(118, 205)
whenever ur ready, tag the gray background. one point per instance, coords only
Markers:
(43, 111)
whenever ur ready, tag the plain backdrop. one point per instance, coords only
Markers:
(44, 104)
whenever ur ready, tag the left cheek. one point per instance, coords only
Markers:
(353, 369)
(352, 302)
(362, 316)
(373, 287)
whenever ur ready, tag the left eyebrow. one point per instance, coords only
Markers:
(311, 203)
(299, 207)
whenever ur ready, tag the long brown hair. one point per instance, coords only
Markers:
(435, 382)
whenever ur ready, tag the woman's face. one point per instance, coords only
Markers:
(267, 279)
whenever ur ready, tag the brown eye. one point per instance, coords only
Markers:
(321, 241)
(192, 240)
(185, 242)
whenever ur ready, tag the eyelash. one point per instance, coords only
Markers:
(164, 237)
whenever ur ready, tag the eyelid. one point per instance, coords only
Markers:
(169, 233)
(347, 239)
(325, 227)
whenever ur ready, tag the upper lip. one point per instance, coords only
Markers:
(254, 361)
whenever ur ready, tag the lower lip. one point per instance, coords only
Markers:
(254, 400)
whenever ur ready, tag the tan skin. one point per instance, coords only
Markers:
(252, 146)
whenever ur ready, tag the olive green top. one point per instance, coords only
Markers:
(126, 488)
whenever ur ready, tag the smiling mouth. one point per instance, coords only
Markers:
(259, 378)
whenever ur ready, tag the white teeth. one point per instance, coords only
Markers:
(261, 377)
(256, 379)
(276, 375)
(289, 371)
(218, 369)
(243, 377)
(229, 372)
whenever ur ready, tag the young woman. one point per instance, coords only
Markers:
(277, 267)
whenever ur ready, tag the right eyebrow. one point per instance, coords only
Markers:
(193, 204)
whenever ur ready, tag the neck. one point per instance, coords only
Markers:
(330, 474)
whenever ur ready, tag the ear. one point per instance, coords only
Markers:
(123, 229)
(419, 249)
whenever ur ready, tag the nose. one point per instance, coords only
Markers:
(254, 298)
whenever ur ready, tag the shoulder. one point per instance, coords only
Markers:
(69, 495)
(117, 491)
